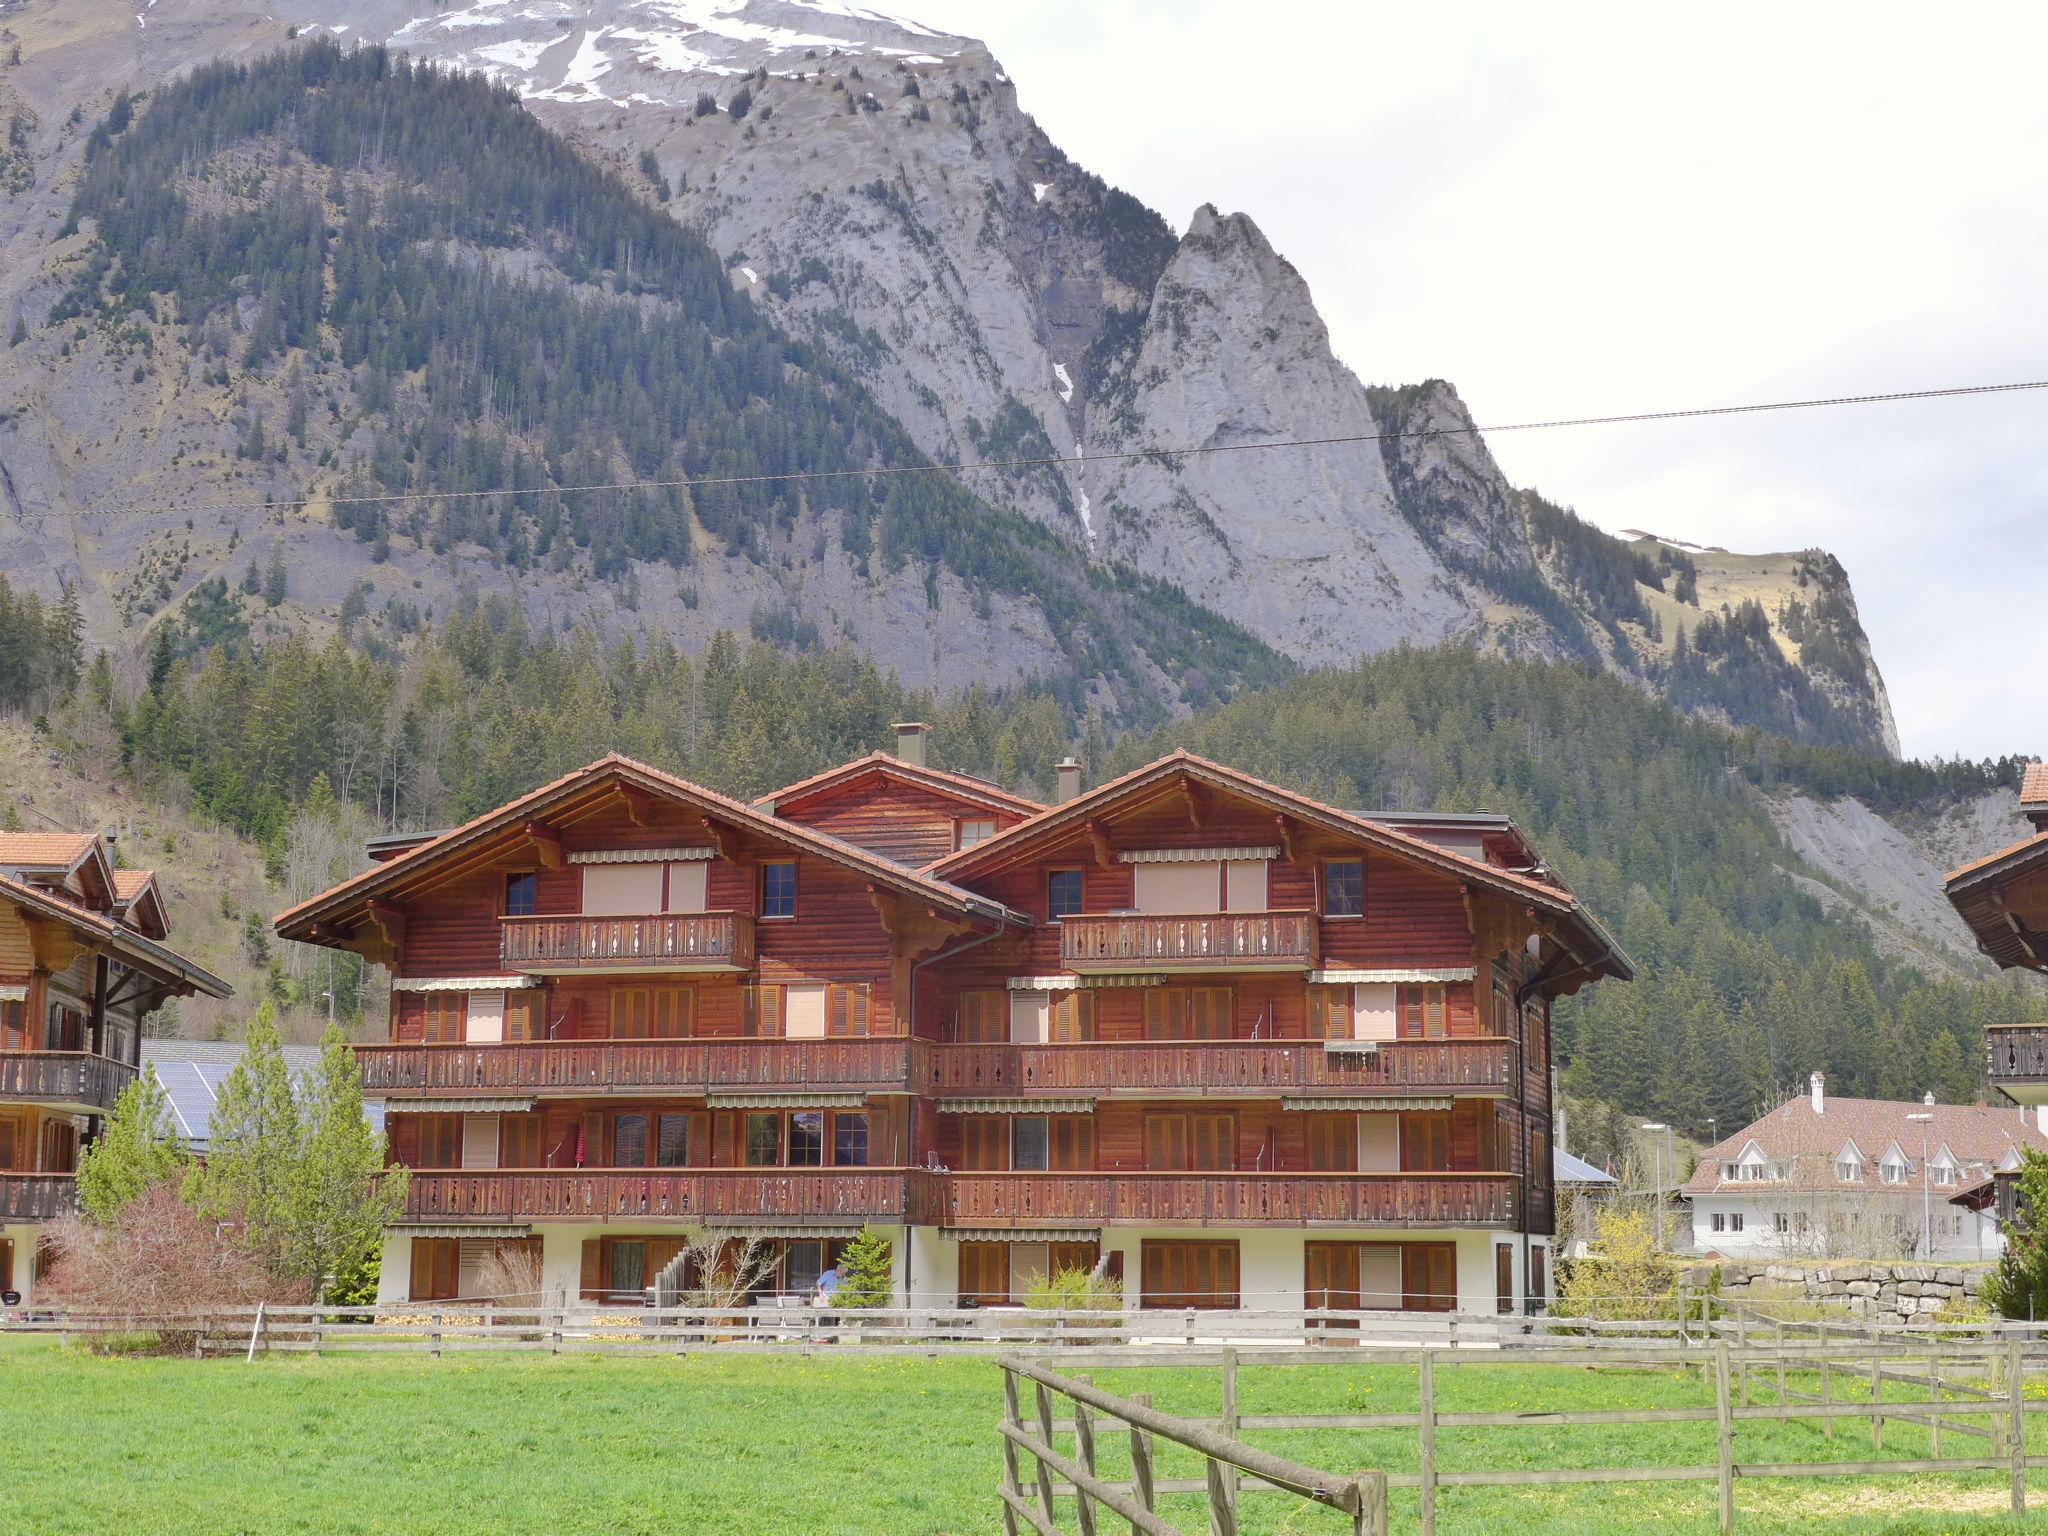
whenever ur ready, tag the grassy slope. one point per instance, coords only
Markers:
(518, 1444)
(211, 876)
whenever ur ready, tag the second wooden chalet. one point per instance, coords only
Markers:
(1232, 1045)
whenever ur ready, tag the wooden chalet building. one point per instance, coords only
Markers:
(2004, 898)
(82, 963)
(1232, 1044)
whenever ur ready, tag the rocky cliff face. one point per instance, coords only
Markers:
(875, 187)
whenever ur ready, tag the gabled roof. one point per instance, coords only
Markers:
(606, 775)
(136, 950)
(2034, 788)
(1017, 842)
(1977, 891)
(46, 850)
(1567, 1169)
(139, 902)
(1808, 1145)
(958, 786)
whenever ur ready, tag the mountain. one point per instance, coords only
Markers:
(874, 192)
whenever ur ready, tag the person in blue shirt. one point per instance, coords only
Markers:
(829, 1283)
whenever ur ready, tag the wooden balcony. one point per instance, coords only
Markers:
(1164, 1069)
(1114, 943)
(735, 1195)
(673, 941)
(37, 1196)
(1228, 1199)
(2018, 1061)
(74, 1081)
(580, 1068)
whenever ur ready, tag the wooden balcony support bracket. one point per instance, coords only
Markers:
(640, 808)
(52, 945)
(914, 932)
(1098, 839)
(2020, 931)
(547, 845)
(388, 945)
(1193, 802)
(1290, 846)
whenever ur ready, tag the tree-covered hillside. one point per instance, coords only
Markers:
(411, 286)
(1747, 984)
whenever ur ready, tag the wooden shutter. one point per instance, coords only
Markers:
(984, 1144)
(985, 1273)
(1209, 1013)
(1071, 1144)
(1212, 1141)
(1329, 1013)
(1166, 1013)
(591, 1283)
(1332, 1143)
(1424, 1014)
(592, 1150)
(13, 1035)
(525, 1013)
(1166, 1143)
(11, 1143)
(435, 1263)
(846, 1009)
(1429, 1277)
(629, 1010)
(523, 1144)
(1073, 1018)
(442, 1017)
(984, 1015)
(763, 1005)
(1425, 1141)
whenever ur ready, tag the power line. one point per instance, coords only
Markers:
(980, 465)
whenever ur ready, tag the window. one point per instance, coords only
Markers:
(1203, 1143)
(803, 1260)
(443, 1016)
(1028, 1150)
(658, 1013)
(526, 1012)
(1062, 894)
(849, 1141)
(629, 1141)
(672, 1142)
(520, 892)
(434, 1268)
(1944, 1176)
(13, 1026)
(778, 889)
(1893, 1173)
(1344, 888)
(1425, 1012)
(1073, 1143)
(1848, 1171)
(440, 1142)
(807, 1139)
(1780, 1222)
(1329, 1013)
(968, 833)
(764, 1141)
(1332, 1143)
(523, 1142)
(1072, 1019)
(1735, 1221)
(1183, 1275)
(1426, 1141)
(1187, 1013)
(1720, 1221)
(628, 1267)
(983, 1146)
(984, 1015)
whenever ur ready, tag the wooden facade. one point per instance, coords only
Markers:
(626, 1003)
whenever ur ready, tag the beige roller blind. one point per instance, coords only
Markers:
(1027, 1260)
(1030, 1018)
(1372, 1011)
(485, 1022)
(479, 1141)
(1174, 888)
(1379, 1275)
(803, 1013)
(686, 886)
(621, 890)
(1244, 884)
(1379, 1143)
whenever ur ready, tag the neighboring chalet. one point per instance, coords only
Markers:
(1829, 1178)
(1188, 1028)
(2004, 899)
(82, 964)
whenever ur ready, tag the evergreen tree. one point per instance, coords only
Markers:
(252, 1173)
(869, 1262)
(275, 580)
(137, 1150)
(2018, 1288)
(340, 1197)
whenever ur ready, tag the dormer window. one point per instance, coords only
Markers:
(1944, 1176)
(1892, 1173)
(966, 834)
(1848, 1171)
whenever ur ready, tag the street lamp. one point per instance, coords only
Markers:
(1926, 1193)
(1657, 1154)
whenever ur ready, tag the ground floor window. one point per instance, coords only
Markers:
(1187, 1274)
(1503, 1277)
(1392, 1277)
(1000, 1274)
(452, 1268)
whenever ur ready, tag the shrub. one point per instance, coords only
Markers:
(869, 1263)
(2018, 1288)
(1624, 1277)
(1074, 1290)
(157, 1257)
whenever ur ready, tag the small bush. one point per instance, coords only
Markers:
(869, 1263)
(1074, 1290)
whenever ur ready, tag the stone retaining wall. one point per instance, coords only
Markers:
(1875, 1291)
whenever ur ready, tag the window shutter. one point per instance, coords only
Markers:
(1073, 1018)
(1164, 1008)
(590, 1154)
(983, 1015)
(1166, 1143)
(421, 1285)
(591, 1283)
(1214, 1139)
(1073, 1144)
(1209, 1013)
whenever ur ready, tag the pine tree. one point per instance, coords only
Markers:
(138, 1149)
(341, 1198)
(869, 1263)
(275, 581)
(2018, 1288)
(256, 1144)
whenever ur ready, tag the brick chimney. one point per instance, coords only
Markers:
(1820, 1098)
(1068, 776)
(910, 742)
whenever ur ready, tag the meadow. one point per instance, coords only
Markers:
(521, 1445)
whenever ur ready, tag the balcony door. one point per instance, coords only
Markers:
(621, 890)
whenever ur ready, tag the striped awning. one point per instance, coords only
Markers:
(1194, 855)
(769, 1098)
(1352, 1103)
(1024, 1234)
(13, 992)
(642, 855)
(799, 1228)
(508, 1105)
(1354, 977)
(1070, 983)
(460, 983)
(1016, 1106)
(463, 1229)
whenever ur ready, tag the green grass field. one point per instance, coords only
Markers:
(518, 1444)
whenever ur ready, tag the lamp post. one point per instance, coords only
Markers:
(1657, 1154)
(1926, 1192)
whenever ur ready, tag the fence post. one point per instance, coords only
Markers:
(1426, 1434)
(1141, 1460)
(1371, 1518)
(2015, 1397)
(1084, 1445)
(1877, 1403)
(1190, 1327)
(1827, 1424)
(1934, 1386)
(1724, 1436)
(256, 1333)
(555, 1339)
(1742, 1343)
(1781, 1369)
(434, 1337)
(1230, 1420)
(1012, 1484)
(1043, 1395)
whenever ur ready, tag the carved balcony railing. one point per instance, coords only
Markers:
(1103, 944)
(737, 1195)
(2017, 1060)
(74, 1080)
(575, 1068)
(37, 1196)
(1231, 1067)
(670, 941)
(1001, 1200)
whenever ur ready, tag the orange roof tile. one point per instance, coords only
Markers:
(44, 850)
(1793, 1134)
(130, 883)
(883, 762)
(136, 949)
(2034, 785)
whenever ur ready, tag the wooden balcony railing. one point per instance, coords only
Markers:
(37, 1196)
(1228, 1199)
(73, 1079)
(1208, 941)
(672, 941)
(732, 1194)
(2018, 1059)
(597, 1067)
(1218, 1067)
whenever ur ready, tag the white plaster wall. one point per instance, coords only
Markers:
(1760, 1239)
(932, 1278)
(1272, 1264)
(24, 1240)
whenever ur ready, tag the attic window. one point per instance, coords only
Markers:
(1892, 1173)
(1848, 1171)
(970, 832)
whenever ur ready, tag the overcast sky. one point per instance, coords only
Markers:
(1585, 210)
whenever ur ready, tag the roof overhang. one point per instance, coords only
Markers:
(174, 974)
(2003, 897)
(953, 786)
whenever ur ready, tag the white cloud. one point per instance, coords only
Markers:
(1596, 208)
